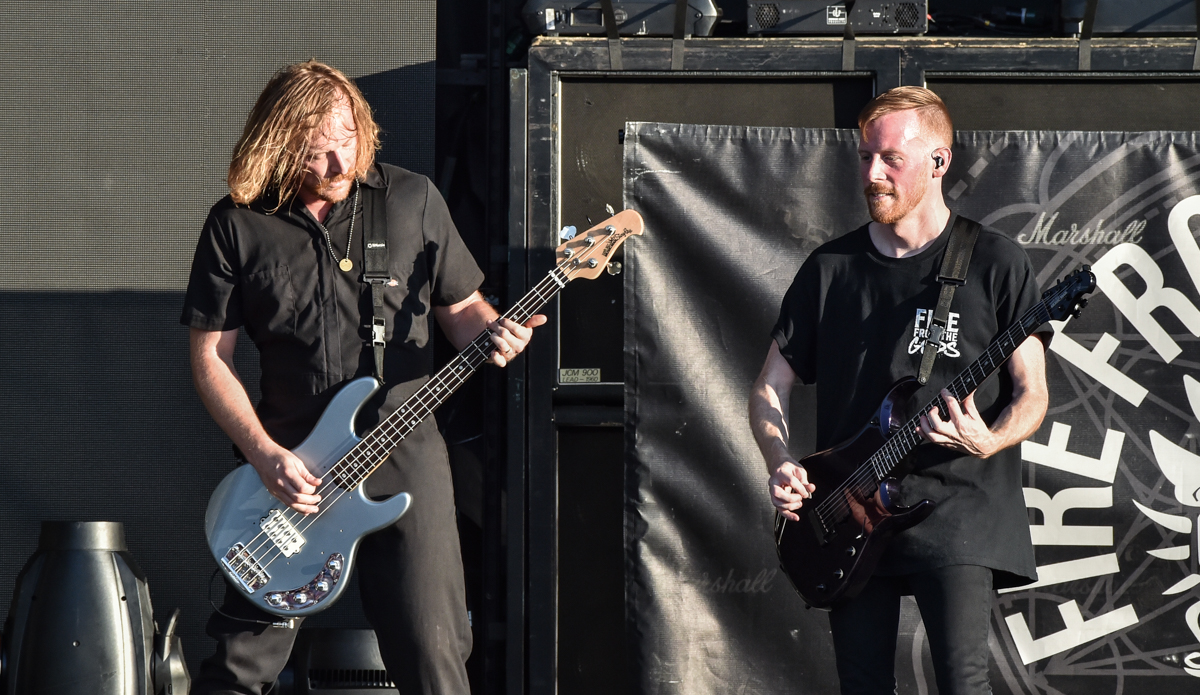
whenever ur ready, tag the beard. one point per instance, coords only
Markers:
(331, 189)
(894, 206)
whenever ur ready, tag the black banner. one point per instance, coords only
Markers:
(1112, 478)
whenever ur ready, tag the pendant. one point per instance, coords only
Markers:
(346, 265)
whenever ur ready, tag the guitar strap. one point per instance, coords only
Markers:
(375, 268)
(955, 260)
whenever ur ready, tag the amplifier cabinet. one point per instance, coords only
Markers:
(584, 18)
(824, 17)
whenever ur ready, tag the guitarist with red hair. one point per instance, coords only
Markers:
(858, 317)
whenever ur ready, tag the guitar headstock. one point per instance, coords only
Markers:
(587, 255)
(1067, 297)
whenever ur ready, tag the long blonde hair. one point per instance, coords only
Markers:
(295, 103)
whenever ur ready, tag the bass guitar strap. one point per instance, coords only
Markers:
(953, 273)
(376, 272)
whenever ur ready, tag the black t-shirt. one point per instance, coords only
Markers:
(272, 274)
(853, 323)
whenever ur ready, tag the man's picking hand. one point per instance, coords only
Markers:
(287, 479)
(789, 488)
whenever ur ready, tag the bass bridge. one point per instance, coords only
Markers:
(244, 567)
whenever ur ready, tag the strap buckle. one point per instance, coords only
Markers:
(378, 331)
(934, 336)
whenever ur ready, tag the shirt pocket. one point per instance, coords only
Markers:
(269, 303)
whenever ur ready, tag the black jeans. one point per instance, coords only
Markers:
(956, 605)
(411, 578)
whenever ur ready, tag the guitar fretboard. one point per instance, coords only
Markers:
(907, 436)
(368, 454)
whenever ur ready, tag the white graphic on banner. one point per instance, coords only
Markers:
(1077, 632)
(1054, 531)
(1043, 233)
(1133, 280)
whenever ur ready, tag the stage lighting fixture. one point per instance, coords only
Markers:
(81, 622)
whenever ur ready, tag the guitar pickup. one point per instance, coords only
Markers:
(818, 524)
(282, 533)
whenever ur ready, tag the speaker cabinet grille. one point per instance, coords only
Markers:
(906, 15)
(767, 15)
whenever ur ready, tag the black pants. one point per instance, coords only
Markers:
(411, 579)
(956, 605)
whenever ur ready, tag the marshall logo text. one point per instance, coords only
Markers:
(1043, 234)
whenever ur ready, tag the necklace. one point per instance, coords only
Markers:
(345, 264)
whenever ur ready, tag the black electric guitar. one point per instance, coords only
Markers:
(831, 552)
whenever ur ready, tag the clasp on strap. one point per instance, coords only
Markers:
(378, 331)
(935, 335)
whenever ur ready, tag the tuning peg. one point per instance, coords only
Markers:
(567, 233)
(610, 210)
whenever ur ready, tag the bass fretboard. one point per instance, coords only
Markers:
(368, 454)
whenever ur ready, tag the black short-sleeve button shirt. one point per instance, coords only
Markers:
(272, 274)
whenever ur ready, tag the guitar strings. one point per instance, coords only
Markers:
(905, 439)
(365, 456)
(368, 454)
(835, 507)
(356, 466)
(900, 444)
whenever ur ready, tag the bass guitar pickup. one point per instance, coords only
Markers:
(282, 533)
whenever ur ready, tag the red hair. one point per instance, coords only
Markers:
(935, 118)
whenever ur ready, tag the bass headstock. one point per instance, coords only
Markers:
(1067, 298)
(586, 255)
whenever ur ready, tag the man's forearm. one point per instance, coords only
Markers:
(225, 397)
(768, 409)
(463, 321)
(1020, 419)
(768, 423)
(1025, 412)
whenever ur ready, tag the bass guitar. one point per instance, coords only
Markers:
(831, 552)
(291, 564)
